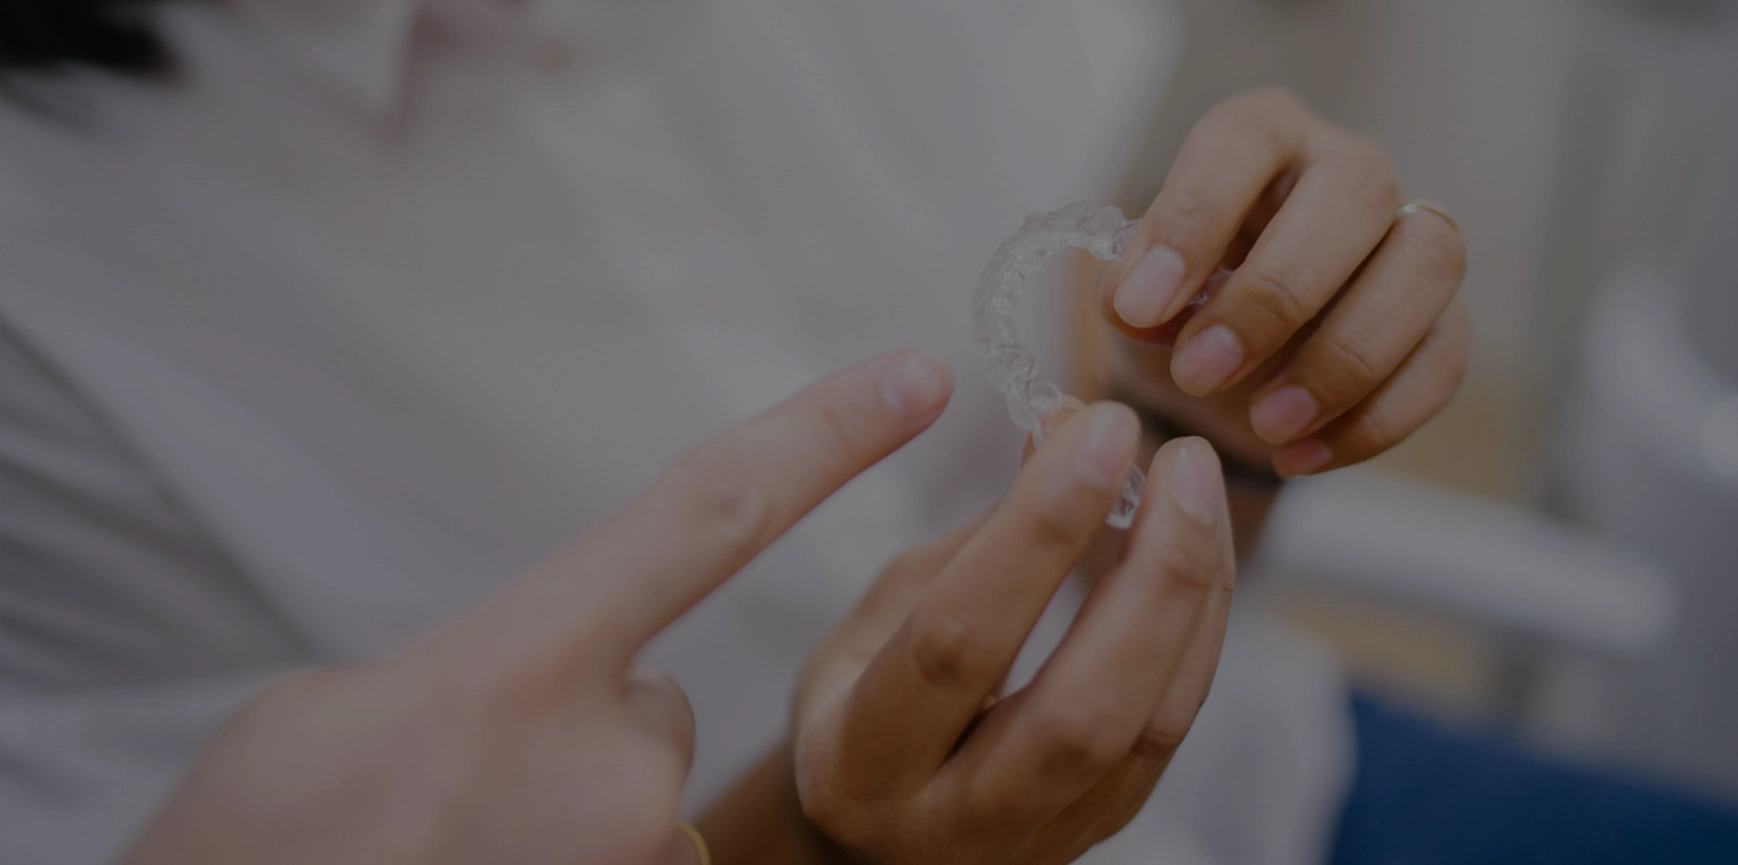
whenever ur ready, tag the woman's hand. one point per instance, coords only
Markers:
(524, 733)
(1335, 333)
(904, 749)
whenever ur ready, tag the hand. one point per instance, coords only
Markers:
(1335, 333)
(523, 733)
(905, 751)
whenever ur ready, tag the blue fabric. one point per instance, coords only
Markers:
(1426, 796)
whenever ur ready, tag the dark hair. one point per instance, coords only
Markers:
(112, 35)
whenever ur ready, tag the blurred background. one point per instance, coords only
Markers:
(1533, 602)
(1559, 553)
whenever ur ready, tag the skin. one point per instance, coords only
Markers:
(1333, 298)
(524, 732)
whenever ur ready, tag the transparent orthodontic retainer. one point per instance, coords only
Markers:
(1013, 370)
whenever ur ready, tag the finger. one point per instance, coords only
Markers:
(872, 622)
(1094, 701)
(1232, 155)
(660, 705)
(1120, 816)
(1342, 206)
(1399, 406)
(715, 509)
(1388, 308)
(1118, 796)
(926, 685)
(1070, 405)
(1114, 799)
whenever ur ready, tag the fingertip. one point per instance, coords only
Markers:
(1146, 296)
(1196, 483)
(1283, 414)
(1206, 362)
(916, 385)
(1051, 422)
(1106, 447)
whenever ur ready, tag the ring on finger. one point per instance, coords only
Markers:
(700, 848)
(1423, 205)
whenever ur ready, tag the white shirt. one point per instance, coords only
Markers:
(380, 303)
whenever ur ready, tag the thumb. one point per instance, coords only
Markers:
(1070, 405)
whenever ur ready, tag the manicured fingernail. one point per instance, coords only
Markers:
(1196, 485)
(1108, 443)
(915, 385)
(1282, 415)
(1302, 458)
(1150, 287)
(1203, 363)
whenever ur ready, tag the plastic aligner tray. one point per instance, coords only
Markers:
(1013, 370)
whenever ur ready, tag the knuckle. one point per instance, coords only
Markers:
(1161, 737)
(1259, 111)
(1055, 522)
(1369, 435)
(1353, 363)
(728, 503)
(1192, 213)
(1246, 120)
(1370, 173)
(1073, 740)
(1277, 99)
(839, 430)
(1190, 570)
(1275, 297)
(947, 654)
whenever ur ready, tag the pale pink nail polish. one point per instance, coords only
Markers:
(1109, 441)
(1196, 485)
(1150, 287)
(1283, 415)
(1206, 361)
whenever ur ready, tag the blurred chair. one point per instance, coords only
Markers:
(1501, 567)
(1557, 598)
(1647, 436)
(1652, 462)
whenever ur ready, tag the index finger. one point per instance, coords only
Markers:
(726, 500)
(1227, 161)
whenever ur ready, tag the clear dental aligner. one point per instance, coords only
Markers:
(1102, 232)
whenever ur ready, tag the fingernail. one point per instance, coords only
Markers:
(1150, 287)
(1108, 443)
(1203, 363)
(914, 385)
(1196, 486)
(1282, 415)
(1302, 458)
(1053, 421)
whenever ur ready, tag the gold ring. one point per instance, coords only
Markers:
(699, 842)
(1417, 205)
